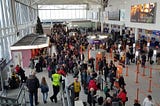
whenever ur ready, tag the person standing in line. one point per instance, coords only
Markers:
(44, 89)
(148, 101)
(121, 81)
(56, 80)
(122, 95)
(32, 84)
(92, 87)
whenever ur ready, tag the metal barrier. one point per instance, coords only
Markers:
(68, 96)
(18, 101)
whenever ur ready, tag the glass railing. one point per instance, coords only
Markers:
(19, 100)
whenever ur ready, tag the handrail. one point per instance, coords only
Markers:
(14, 101)
(9, 98)
(20, 91)
(10, 104)
(3, 93)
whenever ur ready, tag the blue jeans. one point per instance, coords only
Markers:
(31, 94)
(45, 96)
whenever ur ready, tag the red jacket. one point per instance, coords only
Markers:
(62, 72)
(122, 96)
(17, 68)
(92, 84)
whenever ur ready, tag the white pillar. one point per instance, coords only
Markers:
(120, 29)
(110, 28)
(136, 34)
(101, 18)
(96, 26)
(14, 16)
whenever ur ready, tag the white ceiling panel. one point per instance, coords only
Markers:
(50, 2)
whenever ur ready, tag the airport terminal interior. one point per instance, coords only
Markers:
(79, 52)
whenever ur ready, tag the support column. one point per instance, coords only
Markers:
(2, 47)
(96, 26)
(120, 30)
(136, 34)
(110, 28)
(14, 17)
(102, 21)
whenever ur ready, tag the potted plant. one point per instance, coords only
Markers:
(39, 29)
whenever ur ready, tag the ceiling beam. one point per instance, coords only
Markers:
(35, 2)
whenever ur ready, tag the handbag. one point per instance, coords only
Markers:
(126, 99)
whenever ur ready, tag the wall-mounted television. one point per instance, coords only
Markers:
(114, 15)
(143, 13)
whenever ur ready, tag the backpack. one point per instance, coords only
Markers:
(151, 62)
(32, 84)
(92, 84)
(100, 100)
(106, 89)
(44, 88)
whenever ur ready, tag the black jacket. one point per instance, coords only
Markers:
(32, 83)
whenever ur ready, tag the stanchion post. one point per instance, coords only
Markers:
(150, 73)
(138, 67)
(143, 74)
(137, 94)
(126, 70)
(137, 76)
(150, 85)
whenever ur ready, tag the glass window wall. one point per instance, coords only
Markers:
(25, 17)
(47, 12)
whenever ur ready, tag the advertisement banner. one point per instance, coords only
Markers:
(143, 13)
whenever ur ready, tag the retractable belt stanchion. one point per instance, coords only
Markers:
(143, 74)
(137, 94)
(126, 70)
(150, 86)
(137, 71)
(150, 73)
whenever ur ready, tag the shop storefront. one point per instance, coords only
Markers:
(31, 46)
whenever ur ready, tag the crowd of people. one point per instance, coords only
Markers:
(70, 59)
